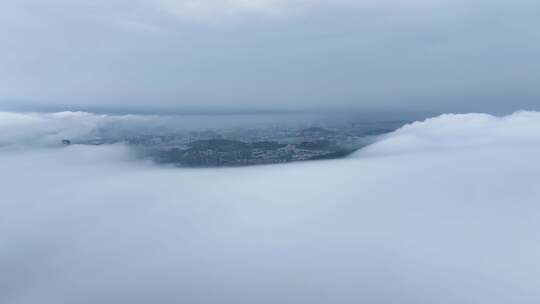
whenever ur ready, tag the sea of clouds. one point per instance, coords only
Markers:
(441, 211)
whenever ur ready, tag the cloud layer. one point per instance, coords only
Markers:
(441, 211)
(466, 131)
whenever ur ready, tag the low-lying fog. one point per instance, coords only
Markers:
(441, 211)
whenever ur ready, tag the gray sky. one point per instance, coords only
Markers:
(439, 55)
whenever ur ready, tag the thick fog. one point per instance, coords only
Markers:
(441, 211)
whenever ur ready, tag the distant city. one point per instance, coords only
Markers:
(244, 146)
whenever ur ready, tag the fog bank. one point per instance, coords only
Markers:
(440, 211)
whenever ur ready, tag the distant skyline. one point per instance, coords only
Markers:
(270, 55)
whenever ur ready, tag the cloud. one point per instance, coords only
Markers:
(454, 132)
(45, 129)
(21, 128)
(441, 211)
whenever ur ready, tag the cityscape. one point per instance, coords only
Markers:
(241, 146)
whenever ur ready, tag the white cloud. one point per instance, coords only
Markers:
(451, 131)
(18, 128)
(442, 211)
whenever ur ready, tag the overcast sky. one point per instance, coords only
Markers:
(440, 55)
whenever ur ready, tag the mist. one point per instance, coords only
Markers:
(440, 211)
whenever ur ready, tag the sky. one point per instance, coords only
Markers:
(421, 55)
(440, 211)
